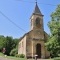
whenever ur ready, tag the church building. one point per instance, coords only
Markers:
(33, 42)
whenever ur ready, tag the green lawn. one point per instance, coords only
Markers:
(10, 57)
(15, 58)
(1, 54)
(57, 58)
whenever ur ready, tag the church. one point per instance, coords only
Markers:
(33, 42)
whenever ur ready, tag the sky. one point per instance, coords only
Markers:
(15, 15)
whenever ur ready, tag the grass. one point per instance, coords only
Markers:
(1, 54)
(11, 57)
(15, 58)
(57, 58)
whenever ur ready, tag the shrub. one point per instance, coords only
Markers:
(20, 55)
(13, 52)
(17, 55)
(57, 58)
(59, 55)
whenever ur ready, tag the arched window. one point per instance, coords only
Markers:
(37, 22)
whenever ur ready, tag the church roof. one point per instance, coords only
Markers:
(37, 10)
(25, 35)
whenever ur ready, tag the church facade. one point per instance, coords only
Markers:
(33, 42)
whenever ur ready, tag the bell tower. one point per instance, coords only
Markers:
(36, 19)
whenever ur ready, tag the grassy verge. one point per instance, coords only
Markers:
(11, 57)
(15, 58)
(57, 58)
(1, 54)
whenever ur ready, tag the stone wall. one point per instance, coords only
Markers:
(22, 46)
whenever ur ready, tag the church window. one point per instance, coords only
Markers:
(37, 21)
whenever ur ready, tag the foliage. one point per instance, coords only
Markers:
(11, 57)
(53, 43)
(20, 55)
(13, 52)
(2, 42)
(8, 43)
(57, 58)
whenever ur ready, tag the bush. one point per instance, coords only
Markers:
(13, 52)
(59, 55)
(20, 55)
(57, 58)
(17, 55)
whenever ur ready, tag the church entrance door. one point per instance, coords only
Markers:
(38, 50)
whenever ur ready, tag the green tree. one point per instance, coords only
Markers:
(16, 42)
(9, 44)
(14, 51)
(2, 42)
(53, 43)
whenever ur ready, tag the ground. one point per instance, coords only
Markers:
(2, 58)
(12, 58)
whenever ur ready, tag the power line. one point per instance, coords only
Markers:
(25, 1)
(47, 4)
(22, 1)
(37, 2)
(12, 21)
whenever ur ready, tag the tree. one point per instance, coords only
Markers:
(9, 44)
(2, 42)
(14, 51)
(53, 43)
(16, 42)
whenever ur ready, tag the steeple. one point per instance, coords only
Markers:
(36, 19)
(37, 10)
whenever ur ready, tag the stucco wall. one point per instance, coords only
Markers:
(22, 46)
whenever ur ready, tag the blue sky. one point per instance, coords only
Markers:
(19, 12)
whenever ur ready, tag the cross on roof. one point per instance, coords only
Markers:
(36, 1)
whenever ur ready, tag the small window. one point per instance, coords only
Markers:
(37, 21)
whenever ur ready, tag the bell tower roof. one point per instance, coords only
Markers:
(37, 10)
